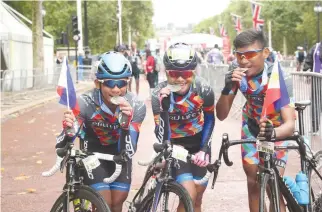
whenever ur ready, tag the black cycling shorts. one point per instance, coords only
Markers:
(189, 171)
(136, 74)
(106, 169)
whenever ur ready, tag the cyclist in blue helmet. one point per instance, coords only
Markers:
(110, 119)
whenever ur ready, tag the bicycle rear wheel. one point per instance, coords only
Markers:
(84, 199)
(316, 184)
(167, 202)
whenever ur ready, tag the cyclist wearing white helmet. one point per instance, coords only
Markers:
(183, 108)
(101, 128)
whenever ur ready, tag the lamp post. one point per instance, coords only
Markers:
(318, 10)
(43, 13)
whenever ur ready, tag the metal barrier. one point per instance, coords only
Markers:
(215, 76)
(15, 83)
(308, 86)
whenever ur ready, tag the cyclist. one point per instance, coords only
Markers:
(185, 116)
(251, 53)
(101, 129)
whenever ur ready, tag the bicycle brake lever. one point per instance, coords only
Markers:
(215, 173)
(64, 161)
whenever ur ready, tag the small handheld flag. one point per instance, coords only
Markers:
(66, 90)
(276, 95)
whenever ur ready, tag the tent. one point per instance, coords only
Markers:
(198, 39)
(16, 51)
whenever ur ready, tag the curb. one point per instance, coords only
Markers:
(27, 107)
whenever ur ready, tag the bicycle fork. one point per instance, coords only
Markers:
(265, 177)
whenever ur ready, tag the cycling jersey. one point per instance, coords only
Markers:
(188, 122)
(254, 89)
(101, 132)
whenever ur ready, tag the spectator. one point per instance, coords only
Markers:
(300, 55)
(149, 70)
(215, 56)
(313, 62)
(59, 58)
(279, 56)
(272, 56)
(135, 59)
(157, 66)
(230, 59)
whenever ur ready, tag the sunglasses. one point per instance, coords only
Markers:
(176, 74)
(248, 54)
(113, 83)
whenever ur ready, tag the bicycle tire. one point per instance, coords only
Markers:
(171, 186)
(317, 203)
(82, 192)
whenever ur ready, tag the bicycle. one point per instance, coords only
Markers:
(269, 175)
(148, 197)
(77, 163)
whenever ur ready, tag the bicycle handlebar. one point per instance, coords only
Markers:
(63, 153)
(226, 143)
(149, 162)
(167, 148)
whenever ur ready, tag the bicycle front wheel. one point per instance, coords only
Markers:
(316, 184)
(84, 199)
(167, 201)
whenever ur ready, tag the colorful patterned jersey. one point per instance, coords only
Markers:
(254, 90)
(101, 129)
(187, 112)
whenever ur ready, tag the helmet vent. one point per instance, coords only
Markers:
(105, 67)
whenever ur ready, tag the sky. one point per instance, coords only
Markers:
(183, 12)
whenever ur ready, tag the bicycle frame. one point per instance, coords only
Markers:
(270, 172)
(72, 176)
(165, 176)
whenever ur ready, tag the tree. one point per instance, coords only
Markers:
(102, 21)
(294, 20)
(37, 43)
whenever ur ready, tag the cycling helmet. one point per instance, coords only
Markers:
(181, 57)
(113, 65)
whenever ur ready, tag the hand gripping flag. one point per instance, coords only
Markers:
(66, 90)
(276, 94)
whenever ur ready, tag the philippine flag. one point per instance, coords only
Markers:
(276, 94)
(66, 90)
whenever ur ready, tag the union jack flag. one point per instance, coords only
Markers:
(237, 22)
(222, 30)
(257, 22)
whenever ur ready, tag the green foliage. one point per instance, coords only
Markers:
(295, 20)
(102, 20)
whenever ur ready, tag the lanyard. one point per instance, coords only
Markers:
(244, 84)
(105, 108)
(172, 101)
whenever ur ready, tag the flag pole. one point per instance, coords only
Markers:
(67, 70)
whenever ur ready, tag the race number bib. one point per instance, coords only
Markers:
(264, 146)
(91, 162)
(179, 153)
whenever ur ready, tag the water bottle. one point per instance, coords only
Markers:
(302, 182)
(299, 188)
